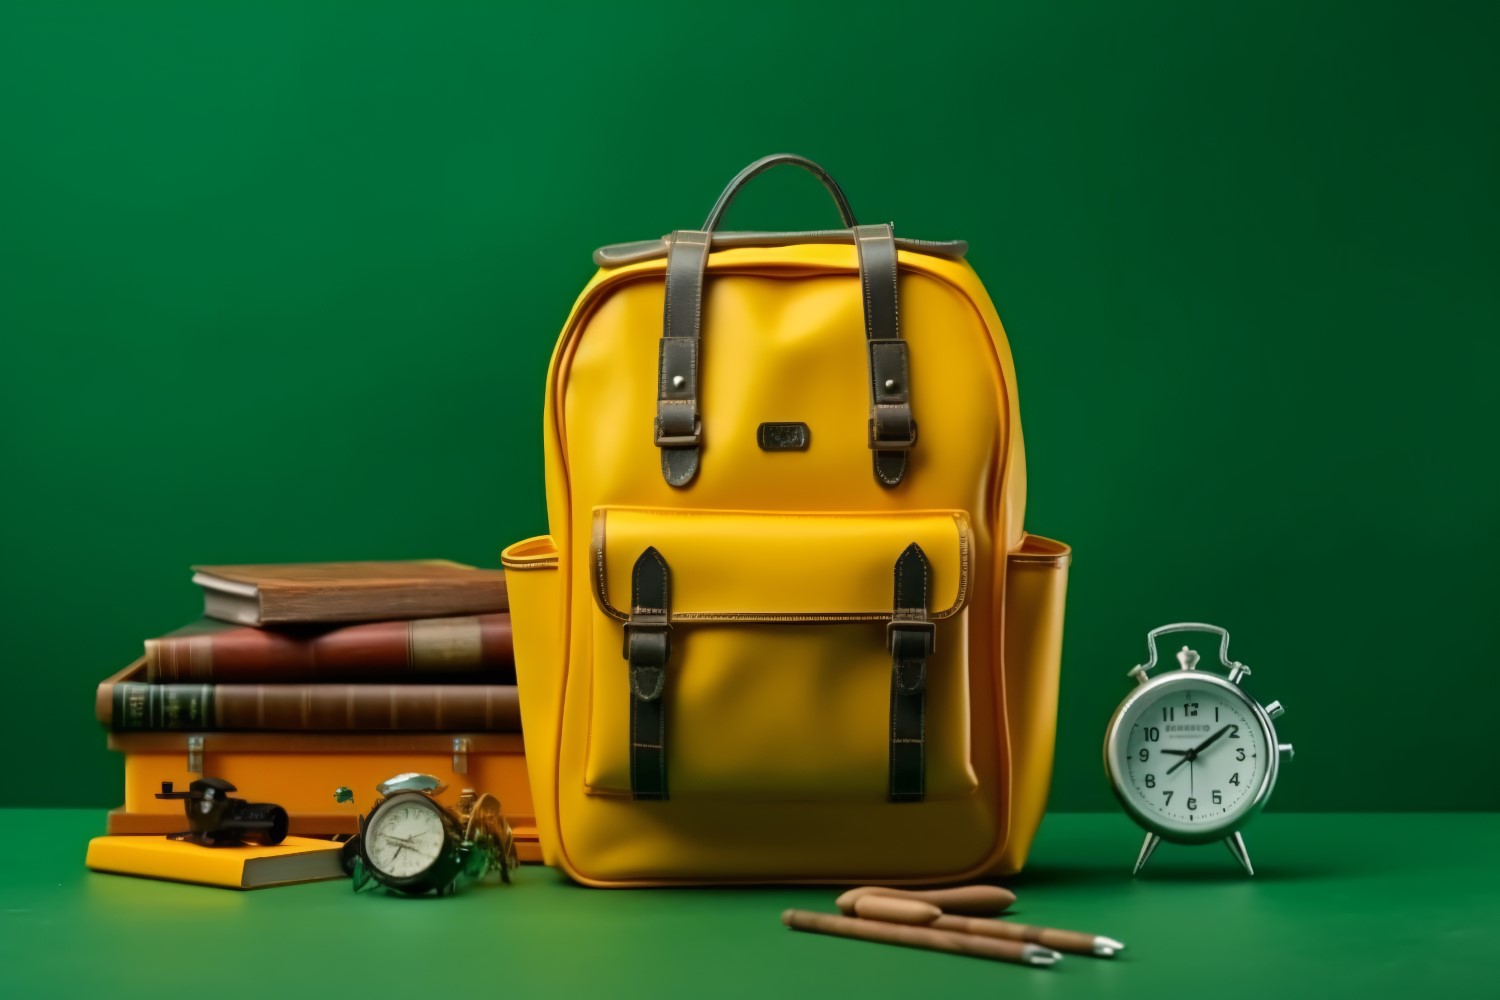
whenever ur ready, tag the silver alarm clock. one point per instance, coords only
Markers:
(1189, 754)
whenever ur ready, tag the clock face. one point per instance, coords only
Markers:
(404, 838)
(1190, 756)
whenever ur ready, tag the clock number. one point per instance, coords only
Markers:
(1169, 797)
(1150, 781)
(1190, 708)
(1218, 797)
(1241, 752)
(1152, 734)
(1192, 805)
(1145, 755)
(1234, 779)
(1216, 713)
(1168, 713)
(1234, 732)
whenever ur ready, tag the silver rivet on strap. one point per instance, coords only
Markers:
(677, 381)
(890, 383)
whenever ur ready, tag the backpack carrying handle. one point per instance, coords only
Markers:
(760, 166)
(679, 426)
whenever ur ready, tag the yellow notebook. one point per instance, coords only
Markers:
(295, 859)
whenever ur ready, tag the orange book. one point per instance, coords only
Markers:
(299, 771)
(294, 860)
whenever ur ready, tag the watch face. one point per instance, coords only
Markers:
(404, 837)
(1190, 756)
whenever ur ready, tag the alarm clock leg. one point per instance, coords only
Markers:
(1236, 845)
(1146, 848)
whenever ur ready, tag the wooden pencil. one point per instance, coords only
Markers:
(916, 913)
(926, 938)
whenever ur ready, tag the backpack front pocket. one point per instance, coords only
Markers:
(784, 657)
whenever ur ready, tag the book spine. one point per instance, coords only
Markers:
(162, 706)
(315, 707)
(477, 646)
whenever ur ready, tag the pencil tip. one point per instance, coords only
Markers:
(1107, 947)
(1035, 954)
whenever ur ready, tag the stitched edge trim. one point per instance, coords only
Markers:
(549, 563)
(601, 590)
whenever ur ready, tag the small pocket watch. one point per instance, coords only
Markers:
(411, 843)
(1189, 754)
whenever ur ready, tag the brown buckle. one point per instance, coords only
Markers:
(680, 440)
(888, 445)
(928, 628)
(664, 628)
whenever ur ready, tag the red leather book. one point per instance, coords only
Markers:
(126, 703)
(208, 651)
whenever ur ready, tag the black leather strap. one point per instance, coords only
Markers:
(648, 645)
(679, 429)
(760, 166)
(679, 426)
(910, 634)
(892, 432)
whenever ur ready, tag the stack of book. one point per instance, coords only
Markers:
(304, 678)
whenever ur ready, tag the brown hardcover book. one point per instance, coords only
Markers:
(476, 647)
(306, 593)
(125, 702)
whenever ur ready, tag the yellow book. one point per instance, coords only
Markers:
(295, 859)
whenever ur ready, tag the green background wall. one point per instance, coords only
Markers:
(278, 281)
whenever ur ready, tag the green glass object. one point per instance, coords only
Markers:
(361, 874)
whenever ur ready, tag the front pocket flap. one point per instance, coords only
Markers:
(734, 566)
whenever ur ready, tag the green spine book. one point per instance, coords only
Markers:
(163, 706)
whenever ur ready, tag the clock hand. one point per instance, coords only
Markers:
(1206, 743)
(1175, 753)
(1193, 753)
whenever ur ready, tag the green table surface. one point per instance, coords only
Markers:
(1358, 905)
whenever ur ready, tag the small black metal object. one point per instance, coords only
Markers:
(786, 436)
(216, 819)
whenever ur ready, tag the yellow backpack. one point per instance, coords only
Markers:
(787, 625)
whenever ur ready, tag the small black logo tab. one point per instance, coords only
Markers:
(783, 437)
